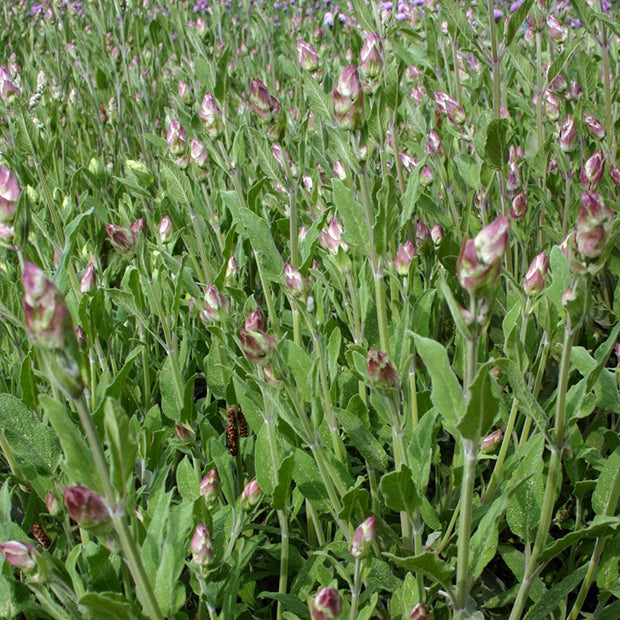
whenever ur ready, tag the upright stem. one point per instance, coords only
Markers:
(606, 84)
(355, 591)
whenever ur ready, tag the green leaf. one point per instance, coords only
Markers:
(460, 20)
(263, 462)
(177, 184)
(496, 146)
(355, 233)
(122, 444)
(607, 490)
(79, 465)
(282, 490)
(468, 169)
(420, 449)
(33, 443)
(429, 565)
(333, 352)
(188, 483)
(483, 544)
(297, 361)
(607, 574)
(551, 599)
(482, 407)
(399, 491)
(319, 101)
(516, 21)
(171, 407)
(364, 15)
(308, 480)
(259, 235)
(107, 606)
(224, 463)
(446, 394)
(525, 506)
(361, 436)
(560, 62)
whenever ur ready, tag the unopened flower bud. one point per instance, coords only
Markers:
(593, 226)
(176, 138)
(326, 604)
(140, 172)
(251, 495)
(80, 336)
(185, 92)
(255, 321)
(51, 503)
(363, 538)
(403, 259)
(263, 104)
(557, 31)
(339, 170)
(88, 283)
(9, 195)
(423, 241)
(123, 240)
(307, 57)
(491, 441)
(19, 554)
(380, 369)
(595, 127)
(210, 486)
(216, 306)
(295, 282)
(437, 234)
(535, 277)
(257, 346)
(419, 612)
(138, 226)
(198, 152)
(165, 229)
(567, 137)
(184, 434)
(330, 238)
(88, 509)
(434, 145)
(593, 168)
(426, 176)
(231, 270)
(201, 545)
(614, 173)
(211, 116)
(450, 108)
(371, 57)
(348, 99)
(552, 106)
(518, 207)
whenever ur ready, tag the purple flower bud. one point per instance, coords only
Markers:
(567, 138)
(19, 554)
(490, 442)
(211, 117)
(46, 314)
(535, 277)
(327, 604)
(552, 106)
(434, 144)
(6, 232)
(210, 486)
(88, 283)
(363, 538)
(340, 170)
(139, 226)
(88, 509)
(216, 306)
(371, 57)
(403, 259)
(450, 108)
(437, 234)
(330, 238)
(165, 229)
(185, 92)
(176, 138)
(263, 104)
(423, 241)
(8, 90)
(593, 226)
(614, 173)
(198, 153)
(51, 503)
(595, 127)
(184, 434)
(559, 84)
(123, 240)
(295, 282)
(251, 495)
(9, 195)
(426, 176)
(419, 612)
(255, 321)
(492, 240)
(575, 91)
(497, 14)
(518, 208)
(380, 369)
(557, 32)
(201, 545)
(257, 346)
(348, 99)
(592, 170)
(307, 57)
(80, 336)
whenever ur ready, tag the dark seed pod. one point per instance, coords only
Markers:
(41, 536)
(231, 435)
(243, 424)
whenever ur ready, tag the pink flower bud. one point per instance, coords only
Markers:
(559, 84)
(184, 434)
(595, 127)
(19, 554)
(592, 170)
(535, 277)
(295, 282)
(380, 369)
(492, 240)
(326, 604)
(211, 117)
(371, 57)
(210, 486)
(307, 57)
(46, 314)
(51, 503)
(88, 283)
(518, 208)
(437, 234)
(198, 153)
(339, 170)
(9, 195)
(423, 241)
(8, 90)
(363, 538)
(419, 612)
(330, 238)
(88, 509)
(251, 495)
(201, 545)
(490, 442)
(552, 106)
(614, 173)
(567, 138)
(434, 145)
(255, 321)
(176, 138)
(575, 91)
(450, 108)
(594, 224)
(139, 226)
(216, 306)
(557, 31)
(426, 176)
(231, 270)
(165, 229)
(263, 104)
(123, 240)
(80, 336)
(348, 99)
(403, 259)
(256, 345)
(185, 92)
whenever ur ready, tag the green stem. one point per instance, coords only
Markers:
(206, 274)
(355, 590)
(284, 555)
(607, 85)
(381, 309)
(495, 60)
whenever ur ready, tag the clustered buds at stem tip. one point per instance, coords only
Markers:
(123, 240)
(363, 537)
(348, 99)
(9, 195)
(201, 545)
(327, 604)
(380, 369)
(210, 486)
(251, 494)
